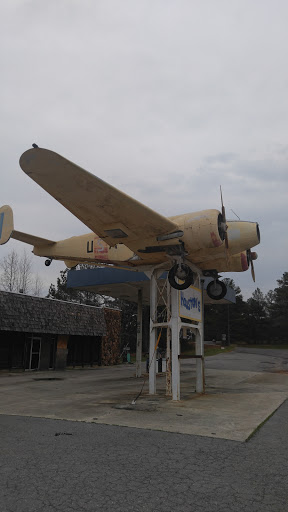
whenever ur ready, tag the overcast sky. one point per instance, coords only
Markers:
(164, 99)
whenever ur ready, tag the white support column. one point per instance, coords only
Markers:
(168, 343)
(199, 349)
(153, 332)
(175, 344)
(139, 334)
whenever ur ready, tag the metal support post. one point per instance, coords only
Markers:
(199, 349)
(168, 341)
(139, 335)
(175, 330)
(153, 332)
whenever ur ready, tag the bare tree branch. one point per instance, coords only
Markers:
(16, 272)
(24, 273)
(9, 268)
(38, 286)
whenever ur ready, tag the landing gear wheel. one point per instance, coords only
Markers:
(184, 273)
(48, 262)
(216, 290)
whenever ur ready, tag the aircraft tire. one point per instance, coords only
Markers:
(217, 290)
(188, 278)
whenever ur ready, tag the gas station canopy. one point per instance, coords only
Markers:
(124, 284)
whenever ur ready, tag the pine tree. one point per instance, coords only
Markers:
(228, 319)
(278, 310)
(61, 292)
(257, 315)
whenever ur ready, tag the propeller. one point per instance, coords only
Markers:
(224, 222)
(225, 229)
(251, 256)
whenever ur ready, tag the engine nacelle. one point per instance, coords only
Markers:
(237, 263)
(242, 235)
(202, 230)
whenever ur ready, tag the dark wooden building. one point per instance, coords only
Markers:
(42, 334)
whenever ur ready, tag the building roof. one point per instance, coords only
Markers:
(26, 313)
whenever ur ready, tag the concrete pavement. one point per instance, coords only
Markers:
(242, 390)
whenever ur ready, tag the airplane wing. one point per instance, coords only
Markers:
(108, 212)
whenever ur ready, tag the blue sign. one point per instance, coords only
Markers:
(190, 304)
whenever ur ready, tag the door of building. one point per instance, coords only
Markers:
(33, 351)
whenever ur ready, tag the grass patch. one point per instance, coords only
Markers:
(133, 358)
(210, 350)
(280, 346)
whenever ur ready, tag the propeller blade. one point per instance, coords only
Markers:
(225, 226)
(250, 257)
(221, 195)
(223, 207)
(252, 271)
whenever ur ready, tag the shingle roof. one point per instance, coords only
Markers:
(27, 313)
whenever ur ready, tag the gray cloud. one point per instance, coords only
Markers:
(165, 100)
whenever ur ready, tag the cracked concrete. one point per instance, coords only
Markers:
(240, 395)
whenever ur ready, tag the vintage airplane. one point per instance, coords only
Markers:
(131, 235)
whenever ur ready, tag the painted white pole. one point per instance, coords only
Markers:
(168, 341)
(175, 344)
(152, 343)
(199, 348)
(139, 334)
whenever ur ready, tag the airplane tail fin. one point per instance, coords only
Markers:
(6, 224)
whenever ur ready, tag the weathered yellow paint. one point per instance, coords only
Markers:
(234, 263)
(97, 204)
(125, 228)
(85, 248)
(241, 235)
(200, 229)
